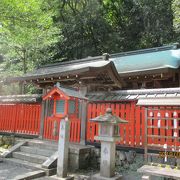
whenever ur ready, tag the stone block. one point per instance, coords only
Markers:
(96, 152)
(98, 177)
(145, 177)
(129, 157)
(66, 178)
(13, 149)
(157, 159)
(79, 157)
(122, 155)
(31, 175)
(51, 162)
(171, 161)
(178, 162)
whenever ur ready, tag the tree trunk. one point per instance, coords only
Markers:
(24, 59)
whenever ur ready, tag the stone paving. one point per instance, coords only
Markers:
(9, 171)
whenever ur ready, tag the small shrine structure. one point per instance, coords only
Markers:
(65, 102)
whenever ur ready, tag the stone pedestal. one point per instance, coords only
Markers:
(63, 150)
(107, 167)
(107, 159)
(145, 177)
(108, 151)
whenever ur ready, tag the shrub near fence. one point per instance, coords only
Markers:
(20, 118)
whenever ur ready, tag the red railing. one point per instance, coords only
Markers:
(20, 118)
(25, 119)
(50, 122)
(130, 136)
(163, 126)
(133, 133)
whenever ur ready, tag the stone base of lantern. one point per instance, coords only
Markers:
(60, 178)
(98, 177)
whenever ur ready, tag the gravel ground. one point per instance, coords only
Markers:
(130, 172)
(10, 171)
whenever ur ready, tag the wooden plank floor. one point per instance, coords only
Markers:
(160, 171)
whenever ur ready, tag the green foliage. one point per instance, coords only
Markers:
(26, 34)
(126, 20)
(35, 32)
(84, 29)
(158, 23)
(92, 27)
(176, 11)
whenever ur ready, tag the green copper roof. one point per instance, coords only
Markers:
(147, 61)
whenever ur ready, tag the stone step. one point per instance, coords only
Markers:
(31, 175)
(42, 145)
(31, 165)
(38, 151)
(23, 163)
(30, 157)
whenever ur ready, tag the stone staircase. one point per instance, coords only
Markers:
(42, 155)
(33, 154)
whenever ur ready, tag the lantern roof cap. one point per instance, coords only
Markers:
(108, 117)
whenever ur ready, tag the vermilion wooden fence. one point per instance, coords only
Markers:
(25, 119)
(20, 118)
(163, 127)
(50, 122)
(133, 133)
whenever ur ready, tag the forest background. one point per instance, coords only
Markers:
(38, 32)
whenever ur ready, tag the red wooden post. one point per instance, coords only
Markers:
(169, 132)
(143, 125)
(150, 117)
(132, 119)
(156, 117)
(122, 128)
(138, 112)
(93, 124)
(39, 118)
(88, 122)
(128, 125)
(162, 128)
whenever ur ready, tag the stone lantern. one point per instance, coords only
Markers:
(108, 135)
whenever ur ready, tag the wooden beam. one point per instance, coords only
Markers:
(157, 84)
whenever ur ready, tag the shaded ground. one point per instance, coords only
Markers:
(129, 172)
(9, 171)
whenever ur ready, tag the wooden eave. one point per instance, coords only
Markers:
(54, 91)
(148, 72)
(86, 74)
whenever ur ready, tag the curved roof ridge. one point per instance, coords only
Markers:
(148, 50)
(95, 58)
